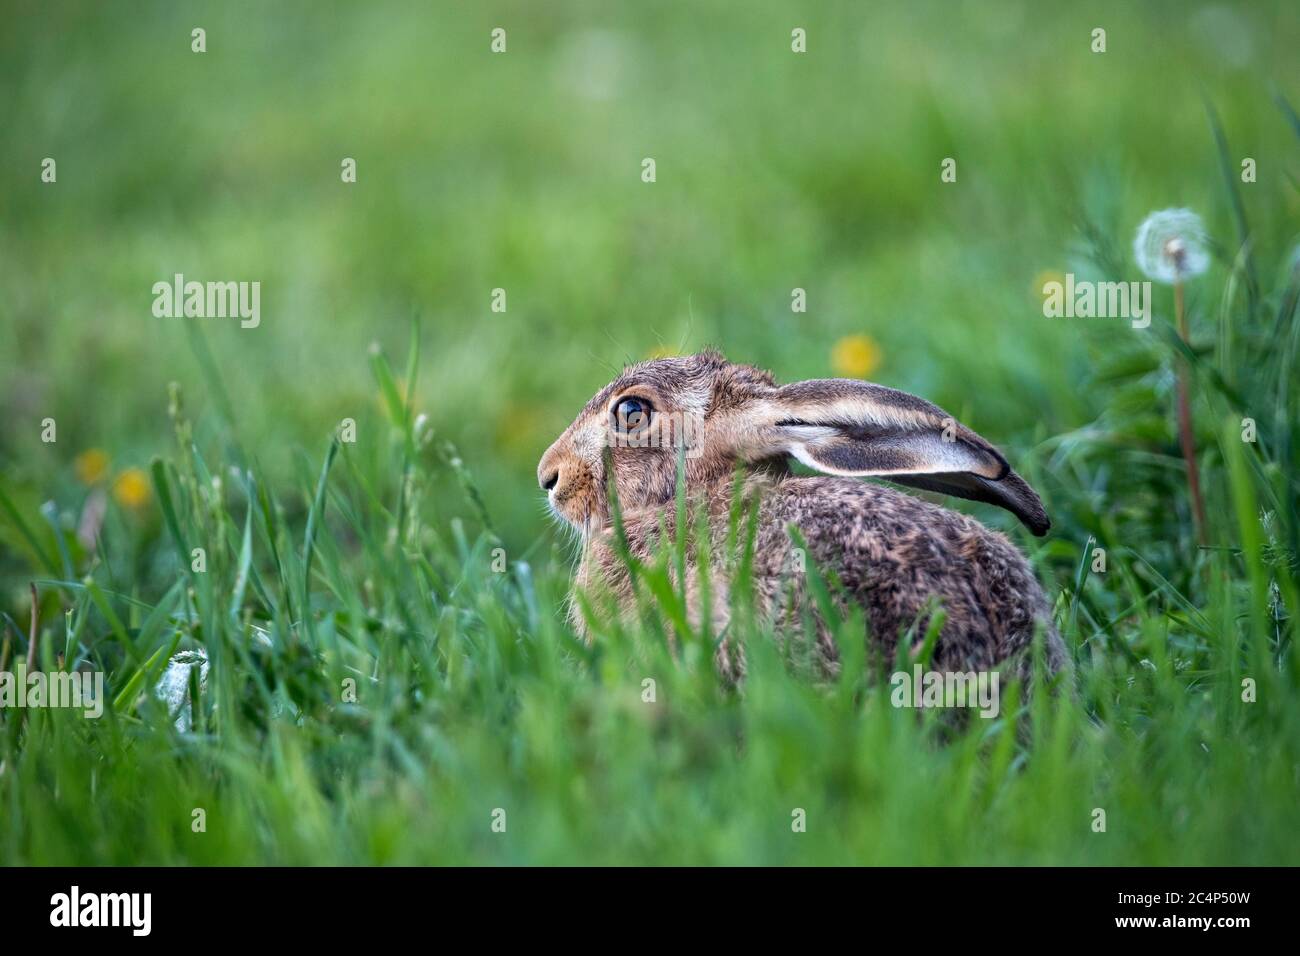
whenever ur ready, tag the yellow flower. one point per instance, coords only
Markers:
(661, 351)
(855, 356)
(1041, 281)
(131, 489)
(91, 466)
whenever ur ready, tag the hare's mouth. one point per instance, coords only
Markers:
(585, 521)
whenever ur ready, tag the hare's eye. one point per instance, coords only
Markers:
(632, 415)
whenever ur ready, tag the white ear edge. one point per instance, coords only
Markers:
(801, 455)
(805, 434)
(951, 462)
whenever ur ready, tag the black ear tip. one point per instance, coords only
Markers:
(1036, 521)
(1014, 494)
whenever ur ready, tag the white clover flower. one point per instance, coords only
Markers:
(1170, 245)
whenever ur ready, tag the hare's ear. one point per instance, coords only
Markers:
(847, 427)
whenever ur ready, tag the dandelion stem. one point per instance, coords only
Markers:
(36, 617)
(1185, 436)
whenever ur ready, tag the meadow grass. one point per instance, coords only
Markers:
(379, 693)
(415, 565)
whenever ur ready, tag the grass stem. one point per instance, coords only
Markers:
(1185, 437)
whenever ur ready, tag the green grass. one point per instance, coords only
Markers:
(472, 696)
(373, 562)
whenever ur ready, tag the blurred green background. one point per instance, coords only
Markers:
(522, 171)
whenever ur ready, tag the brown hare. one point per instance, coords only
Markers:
(894, 554)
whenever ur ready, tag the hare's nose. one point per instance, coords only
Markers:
(550, 467)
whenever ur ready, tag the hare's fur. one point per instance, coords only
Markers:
(895, 555)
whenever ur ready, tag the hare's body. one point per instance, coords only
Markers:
(896, 556)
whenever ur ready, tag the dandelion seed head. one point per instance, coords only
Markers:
(1171, 245)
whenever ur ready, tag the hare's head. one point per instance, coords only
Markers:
(714, 415)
